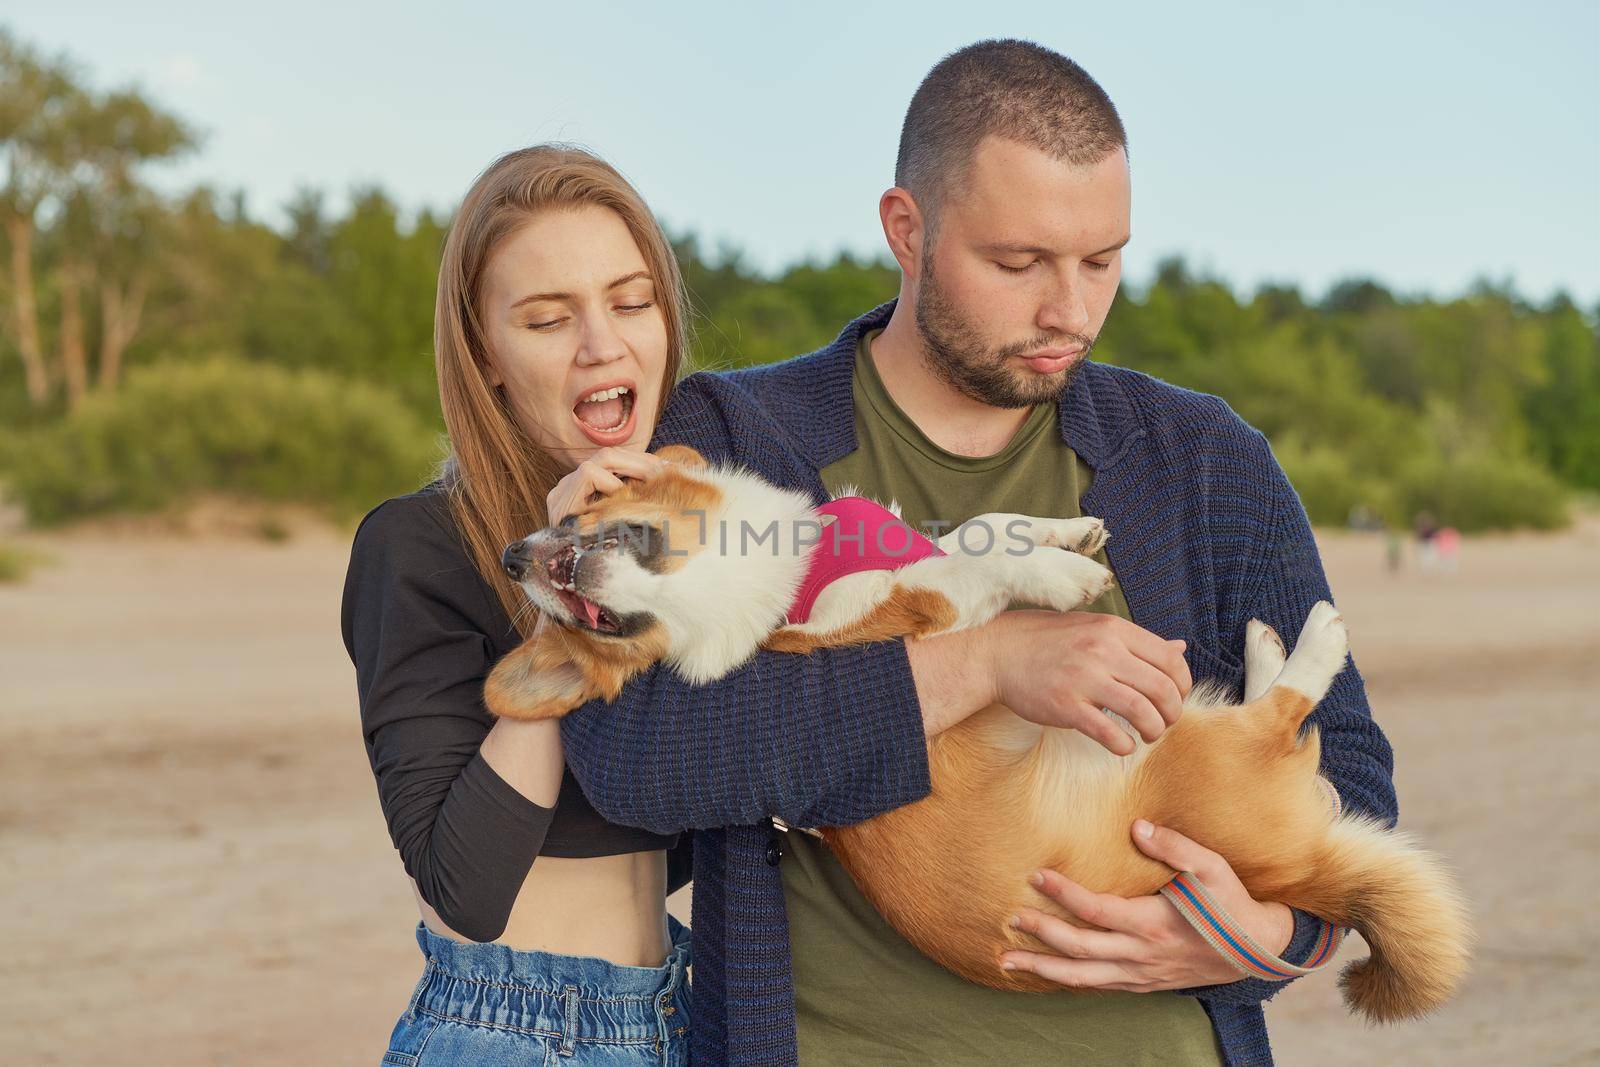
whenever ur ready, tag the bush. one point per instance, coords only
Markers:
(16, 561)
(1328, 485)
(1474, 491)
(178, 429)
(1480, 490)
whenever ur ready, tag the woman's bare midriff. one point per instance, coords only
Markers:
(612, 907)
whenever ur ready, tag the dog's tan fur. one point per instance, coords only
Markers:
(1010, 797)
(905, 613)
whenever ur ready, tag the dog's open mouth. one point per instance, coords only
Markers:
(561, 569)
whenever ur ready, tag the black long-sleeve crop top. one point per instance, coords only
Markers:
(423, 630)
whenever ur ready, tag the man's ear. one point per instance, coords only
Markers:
(537, 680)
(903, 223)
(682, 455)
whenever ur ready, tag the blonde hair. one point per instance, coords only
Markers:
(496, 478)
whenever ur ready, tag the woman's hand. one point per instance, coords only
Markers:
(1142, 943)
(600, 475)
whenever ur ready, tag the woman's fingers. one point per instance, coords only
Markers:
(602, 474)
(597, 478)
(572, 492)
(628, 463)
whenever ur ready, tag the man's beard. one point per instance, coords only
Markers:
(953, 348)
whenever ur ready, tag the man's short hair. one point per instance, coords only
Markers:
(1006, 88)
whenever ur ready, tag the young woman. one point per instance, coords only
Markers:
(559, 330)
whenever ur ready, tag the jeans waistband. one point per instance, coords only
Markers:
(575, 998)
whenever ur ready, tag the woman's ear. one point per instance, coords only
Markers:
(537, 680)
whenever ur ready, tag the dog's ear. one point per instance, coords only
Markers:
(537, 680)
(682, 455)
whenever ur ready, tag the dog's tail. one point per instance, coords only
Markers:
(1407, 906)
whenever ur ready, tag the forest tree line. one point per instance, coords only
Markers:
(152, 345)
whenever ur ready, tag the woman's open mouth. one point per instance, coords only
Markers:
(561, 570)
(606, 415)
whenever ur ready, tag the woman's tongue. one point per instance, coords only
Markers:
(602, 414)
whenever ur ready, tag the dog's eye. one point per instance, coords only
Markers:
(635, 536)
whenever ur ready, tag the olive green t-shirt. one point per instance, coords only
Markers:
(863, 994)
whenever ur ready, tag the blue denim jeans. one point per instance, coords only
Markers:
(486, 1005)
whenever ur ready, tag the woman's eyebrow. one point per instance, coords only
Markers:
(624, 280)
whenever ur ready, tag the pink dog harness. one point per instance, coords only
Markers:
(864, 536)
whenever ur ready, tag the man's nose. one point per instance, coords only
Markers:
(1064, 311)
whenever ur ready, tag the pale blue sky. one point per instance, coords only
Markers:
(1422, 143)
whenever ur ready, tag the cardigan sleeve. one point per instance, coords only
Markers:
(826, 739)
(1356, 757)
(410, 619)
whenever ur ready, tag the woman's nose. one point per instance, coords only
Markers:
(601, 342)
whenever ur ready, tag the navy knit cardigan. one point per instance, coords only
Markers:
(1206, 534)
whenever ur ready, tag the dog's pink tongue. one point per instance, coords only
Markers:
(591, 609)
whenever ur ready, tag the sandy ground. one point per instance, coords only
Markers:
(194, 869)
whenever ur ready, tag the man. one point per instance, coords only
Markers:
(974, 392)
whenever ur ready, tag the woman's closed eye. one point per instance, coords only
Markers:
(629, 306)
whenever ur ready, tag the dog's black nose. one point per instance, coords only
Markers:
(515, 560)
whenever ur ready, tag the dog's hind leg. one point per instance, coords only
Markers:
(1319, 653)
(1263, 659)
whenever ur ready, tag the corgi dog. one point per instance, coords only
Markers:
(699, 567)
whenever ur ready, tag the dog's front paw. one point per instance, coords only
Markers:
(1085, 536)
(1068, 581)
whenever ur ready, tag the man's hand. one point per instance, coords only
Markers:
(1143, 944)
(1061, 669)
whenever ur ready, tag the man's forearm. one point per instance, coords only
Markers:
(827, 739)
(952, 676)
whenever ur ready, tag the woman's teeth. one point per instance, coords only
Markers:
(605, 409)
